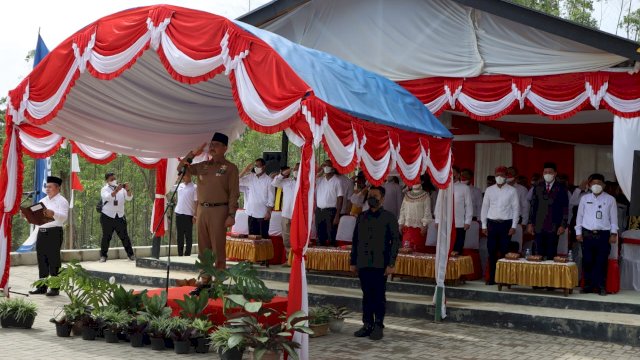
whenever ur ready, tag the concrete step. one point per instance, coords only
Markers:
(626, 302)
(583, 324)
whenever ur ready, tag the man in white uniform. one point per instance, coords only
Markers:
(186, 214)
(329, 199)
(112, 217)
(462, 209)
(259, 204)
(287, 183)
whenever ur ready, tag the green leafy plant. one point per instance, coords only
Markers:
(79, 285)
(158, 327)
(319, 315)
(155, 306)
(239, 279)
(18, 308)
(179, 329)
(201, 326)
(127, 300)
(338, 313)
(221, 339)
(192, 307)
(137, 324)
(245, 326)
(71, 313)
(114, 319)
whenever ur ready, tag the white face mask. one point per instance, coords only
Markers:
(596, 189)
(500, 180)
(113, 183)
(416, 187)
(327, 169)
(511, 180)
(258, 170)
(465, 182)
(549, 177)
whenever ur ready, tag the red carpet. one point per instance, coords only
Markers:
(214, 309)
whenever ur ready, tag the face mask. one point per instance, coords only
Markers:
(416, 187)
(510, 179)
(257, 170)
(373, 202)
(549, 177)
(113, 183)
(327, 169)
(500, 180)
(465, 182)
(596, 189)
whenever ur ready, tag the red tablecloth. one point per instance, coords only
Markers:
(214, 309)
(279, 252)
(477, 266)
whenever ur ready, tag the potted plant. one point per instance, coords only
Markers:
(181, 332)
(65, 319)
(157, 331)
(136, 329)
(18, 313)
(89, 327)
(201, 328)
(227, 350)
(115, 322)
(268, 342)
(337, 316)
(319, 321)
(127, 300)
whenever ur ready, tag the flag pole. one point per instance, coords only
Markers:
(70, 241)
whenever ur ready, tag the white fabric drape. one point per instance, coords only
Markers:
(589, 159)
(488, 157)
(444, 210)
(626, 133)
(39, 145)
(412, 39)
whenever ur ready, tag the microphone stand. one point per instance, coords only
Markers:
(170, 205)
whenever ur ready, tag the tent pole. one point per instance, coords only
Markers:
(284, 150)
(438, 303)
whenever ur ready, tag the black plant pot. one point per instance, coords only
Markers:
(137, 340)
(202, 345)
(11, 321)
(182, 346)
(76, 330)
(168, 343)
(63, 330)
(89, 333)
(123, 337)
(146, 339)
(110, 336)
(231, 354)
(157, 344)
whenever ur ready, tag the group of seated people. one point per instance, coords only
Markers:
(543, 209)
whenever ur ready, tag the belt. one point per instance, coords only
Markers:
(56, 228)
(595, 232)
(499, 221)
(206, 204)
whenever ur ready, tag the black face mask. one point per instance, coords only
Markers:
(373, 202)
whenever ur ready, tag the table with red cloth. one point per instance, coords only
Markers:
(244, 249)
(214, 309)
(414, 265)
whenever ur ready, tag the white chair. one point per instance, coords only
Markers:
(432, 234)
(472, 237)
(275, 224)
(630, 264)
(345, 228)
(242, 223)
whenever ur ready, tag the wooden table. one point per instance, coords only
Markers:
(256, 251)
(537, 274)
(414, 265)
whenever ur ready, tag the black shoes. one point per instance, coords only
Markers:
(132, 258)
(376, 333)
(53, 292)
(586, 290)
(364, 331)
(38, 291)
(602, 292)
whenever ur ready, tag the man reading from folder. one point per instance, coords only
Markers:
(49, 239)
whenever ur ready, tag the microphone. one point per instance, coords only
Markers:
(185, 166)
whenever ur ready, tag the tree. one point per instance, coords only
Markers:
(580, 11)
(551, 7)
(631, 23)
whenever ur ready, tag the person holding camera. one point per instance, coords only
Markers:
(112, 217)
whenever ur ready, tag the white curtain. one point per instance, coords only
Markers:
(589, 159)
(626, 133)
(488, 157)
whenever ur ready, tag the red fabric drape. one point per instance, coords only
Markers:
(464, 154)
(531, 160)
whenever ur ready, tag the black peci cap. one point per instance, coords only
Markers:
(222, 138)
(54, 179)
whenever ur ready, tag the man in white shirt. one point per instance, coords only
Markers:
(466, 178)
(49, 240)
(287, 183)
(523, 192)
(500, 214)
(112, 217)
(596, 229)
(329, 198)
(347, 189)
(462, 210)
(259, 204)
(394, 196)
(186, 216)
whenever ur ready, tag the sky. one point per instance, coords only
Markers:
(58, 20)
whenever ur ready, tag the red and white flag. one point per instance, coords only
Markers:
(75, 178)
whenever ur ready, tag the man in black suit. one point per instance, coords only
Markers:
(548, 213)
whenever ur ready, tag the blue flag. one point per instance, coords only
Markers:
(43, 166)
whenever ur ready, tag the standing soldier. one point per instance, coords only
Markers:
(49, 239)
(218, 193)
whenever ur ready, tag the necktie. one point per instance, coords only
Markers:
(548, 187)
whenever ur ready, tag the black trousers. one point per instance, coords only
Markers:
(325, 229)
(119, 225)
(461, 234)
(547, 244)
(258, 226)
(48, 244)
(595, 255)
(498, 242)
(184, 225)
(374, 286)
